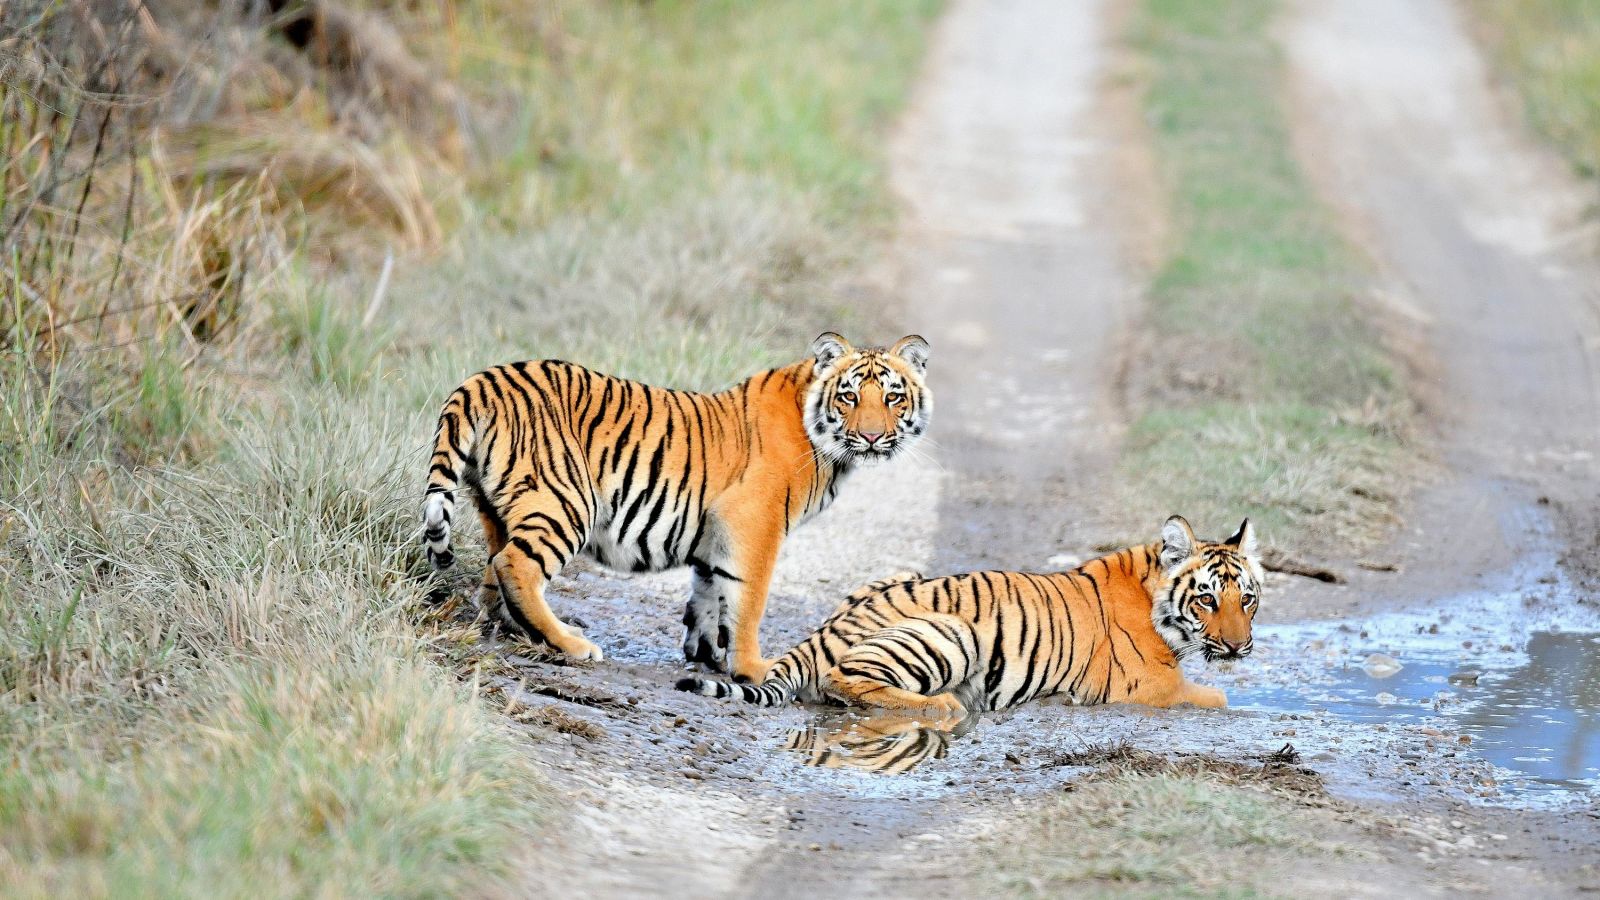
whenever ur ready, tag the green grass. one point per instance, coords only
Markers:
(214, 679)
(632, 103)
(1262, 384)
(1154, 835)
(1551, 48)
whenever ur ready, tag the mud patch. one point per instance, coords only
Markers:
(555, 719)
(1278, 771)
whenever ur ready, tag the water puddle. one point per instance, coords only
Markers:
(882, 743)
(1529, 705)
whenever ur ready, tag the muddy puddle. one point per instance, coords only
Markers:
(1511, 676)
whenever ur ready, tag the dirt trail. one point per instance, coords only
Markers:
(1007, 264)
(1004, 264)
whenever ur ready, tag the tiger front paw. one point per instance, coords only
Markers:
(578, 648)
(752, 670)
(706, 645)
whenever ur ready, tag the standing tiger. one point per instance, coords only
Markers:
(1112, 630)
(561, 460)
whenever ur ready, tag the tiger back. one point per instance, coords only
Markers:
(1112, 630)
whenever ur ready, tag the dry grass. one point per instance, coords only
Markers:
(695, 293)
(1278, 772)
(208, 679)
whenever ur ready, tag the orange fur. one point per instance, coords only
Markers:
(562, 460)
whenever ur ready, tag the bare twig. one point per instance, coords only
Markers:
(379, 291)
(1277, 561)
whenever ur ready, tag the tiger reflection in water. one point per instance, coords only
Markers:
(885, 744)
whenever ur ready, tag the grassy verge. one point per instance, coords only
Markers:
(1262, 386)
(1143, 826)
(1551, 48)
(213, 681)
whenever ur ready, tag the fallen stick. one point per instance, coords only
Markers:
(1275, 561)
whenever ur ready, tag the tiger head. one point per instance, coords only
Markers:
(1208, 593)
(867, 403)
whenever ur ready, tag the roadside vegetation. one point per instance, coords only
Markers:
(244, 260)
(1143, 825)
(1261, 384)
(1551, 49)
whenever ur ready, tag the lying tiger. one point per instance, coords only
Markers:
(561, 460)
(1112, 630)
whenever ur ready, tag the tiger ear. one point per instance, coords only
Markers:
(912, 348)
(827, 348)
(1177, 542)
(1244, 539)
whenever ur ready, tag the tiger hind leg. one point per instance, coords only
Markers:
(912, 665)
(534, 551)
(494, 534)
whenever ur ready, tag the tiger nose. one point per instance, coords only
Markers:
(871, 437)
(1233, 646)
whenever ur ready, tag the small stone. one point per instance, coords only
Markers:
(1465, 677)
(1381, 665)
(817, 847)
(1497, 837)
(1464, 739)
(1386, 698)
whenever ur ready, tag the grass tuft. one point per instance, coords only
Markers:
(1160, 834)
(1551, 48)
